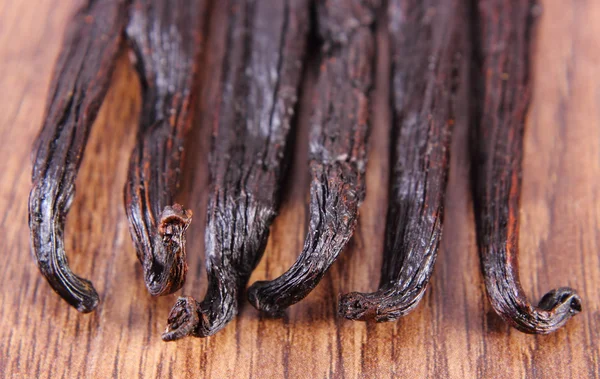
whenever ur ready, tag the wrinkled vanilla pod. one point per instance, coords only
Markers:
(265, 49)
(337, 149)
(166, 37)
(426, 53)
(502, 89)
(81, 79)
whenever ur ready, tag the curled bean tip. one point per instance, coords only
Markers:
(183, 320)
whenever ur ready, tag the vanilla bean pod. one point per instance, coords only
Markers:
(426, 54)
(166, 37)
(502, 88)
(265, 49)
(81, 79)
(340, 124)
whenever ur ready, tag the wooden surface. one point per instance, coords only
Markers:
(453, 332)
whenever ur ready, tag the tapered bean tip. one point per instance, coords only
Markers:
(258, 301)
(75, 290)
(562, 301)
(183, 319)
(88, 305)
(356, 306)
(553, 311)
(88, 301)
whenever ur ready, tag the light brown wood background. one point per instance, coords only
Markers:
(453, 332)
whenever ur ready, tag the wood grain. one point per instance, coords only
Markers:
(453, 333)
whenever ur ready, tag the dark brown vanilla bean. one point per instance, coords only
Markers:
(426, 53)
(340, 124)
(265, 48)
(502, 91)
(80, 81)
(167, 38)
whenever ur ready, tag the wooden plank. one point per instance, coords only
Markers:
(453, 333)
